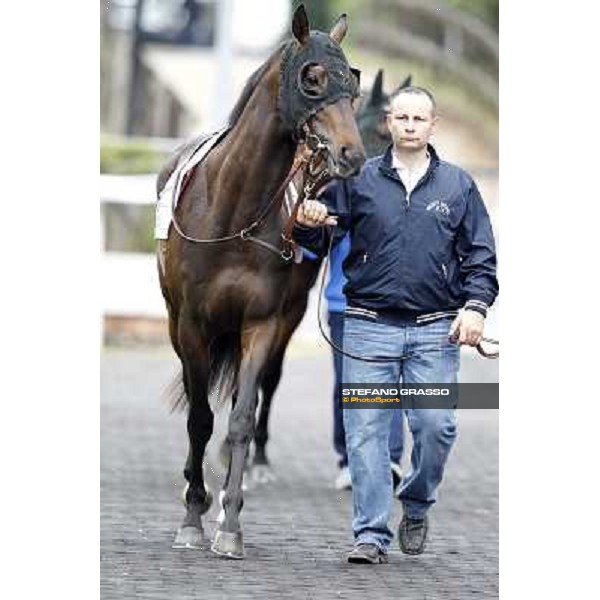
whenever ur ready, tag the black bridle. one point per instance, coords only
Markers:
(296, 109)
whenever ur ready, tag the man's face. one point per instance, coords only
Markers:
(411, 121)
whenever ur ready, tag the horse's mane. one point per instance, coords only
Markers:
(251, 84)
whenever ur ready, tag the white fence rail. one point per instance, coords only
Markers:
(129, 279)
(130, 286)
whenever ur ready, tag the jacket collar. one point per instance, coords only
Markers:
(385, 163)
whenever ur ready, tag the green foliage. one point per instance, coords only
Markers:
(322, 13)
(129, 228)
(129, 158)
(318, 11)
(486, 10)
(352, 8)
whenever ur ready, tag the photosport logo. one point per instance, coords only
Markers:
(419, 395)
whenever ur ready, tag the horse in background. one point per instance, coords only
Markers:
(371, 117)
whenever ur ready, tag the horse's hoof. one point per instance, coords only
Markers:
(228, 544)
(262, 474)
(190, 537)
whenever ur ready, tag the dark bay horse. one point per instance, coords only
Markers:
(226, 300)
(371, 119)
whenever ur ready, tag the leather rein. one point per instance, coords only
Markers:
(312, 179)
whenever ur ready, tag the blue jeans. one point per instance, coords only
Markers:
(430, 358)
(396, 441)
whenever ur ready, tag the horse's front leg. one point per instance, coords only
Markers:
(197, 498)
(256, 342)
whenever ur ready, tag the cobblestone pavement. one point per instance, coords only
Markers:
(296, 529)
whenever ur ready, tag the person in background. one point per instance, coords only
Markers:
(336, 305)
(372, 123)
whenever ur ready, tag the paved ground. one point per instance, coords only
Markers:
(297, 529)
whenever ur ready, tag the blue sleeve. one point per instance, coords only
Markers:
(477, 250)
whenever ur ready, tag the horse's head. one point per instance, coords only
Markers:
(316, 91)
(371, 117)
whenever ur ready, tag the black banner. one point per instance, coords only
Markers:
(419, 395)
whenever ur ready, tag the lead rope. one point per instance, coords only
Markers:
(482, 352)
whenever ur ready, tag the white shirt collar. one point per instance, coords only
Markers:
(410, 178)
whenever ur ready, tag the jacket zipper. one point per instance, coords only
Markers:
(419, 183)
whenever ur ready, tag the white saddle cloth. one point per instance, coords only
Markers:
(169, 195)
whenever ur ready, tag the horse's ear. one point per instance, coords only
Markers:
(376, 95)
(406, 83)
(300, 25)
(338, 31)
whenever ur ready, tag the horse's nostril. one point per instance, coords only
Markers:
(352, 157)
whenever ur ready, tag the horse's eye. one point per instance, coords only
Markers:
(312, 80)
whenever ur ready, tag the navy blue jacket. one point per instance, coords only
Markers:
(431, 252)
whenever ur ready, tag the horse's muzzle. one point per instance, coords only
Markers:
(350, 160)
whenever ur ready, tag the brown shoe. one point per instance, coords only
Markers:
(412, 534)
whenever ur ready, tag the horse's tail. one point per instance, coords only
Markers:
(174, 394)
(225, 356)
(224, 365)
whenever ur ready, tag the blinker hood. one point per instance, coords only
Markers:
(296, 106)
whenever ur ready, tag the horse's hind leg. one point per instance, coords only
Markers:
(261, 471)
(199, 426)
(256, 343)
(269, 384)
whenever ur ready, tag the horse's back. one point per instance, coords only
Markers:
(185, 149)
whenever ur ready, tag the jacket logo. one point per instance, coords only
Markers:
(439, 206)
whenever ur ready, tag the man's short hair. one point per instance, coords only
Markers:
(413, 89)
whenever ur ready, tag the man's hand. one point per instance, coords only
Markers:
(313, 213)
(467, 328)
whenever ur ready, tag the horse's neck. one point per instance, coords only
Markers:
(254, 160)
